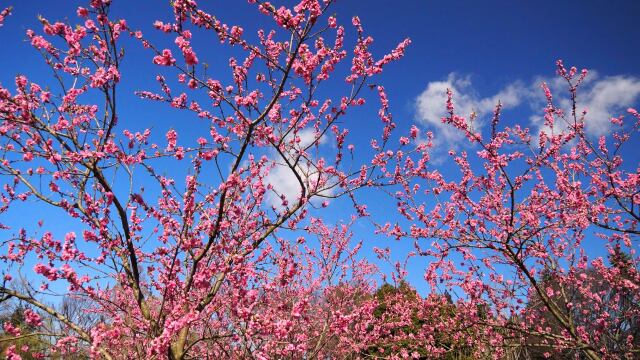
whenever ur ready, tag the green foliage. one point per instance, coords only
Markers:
(35, 343)
(396, 301)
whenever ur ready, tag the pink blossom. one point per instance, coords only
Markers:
(166, 59)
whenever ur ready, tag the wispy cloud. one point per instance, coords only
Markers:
(282, 178)
(430, 104)
(601, 97)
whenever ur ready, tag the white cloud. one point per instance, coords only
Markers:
(605, 98)
(284, 182)
(602, 97)
(431, 105)
(283, 179)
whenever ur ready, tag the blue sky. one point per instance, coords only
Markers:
(496, 42)
(485, 50)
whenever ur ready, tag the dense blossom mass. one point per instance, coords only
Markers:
(191, 248)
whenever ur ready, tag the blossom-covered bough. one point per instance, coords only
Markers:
(540, 228)
(193, 265)
(190, 247)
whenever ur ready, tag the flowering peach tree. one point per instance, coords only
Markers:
(185, 247)
(203, 264)
(516, 230)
